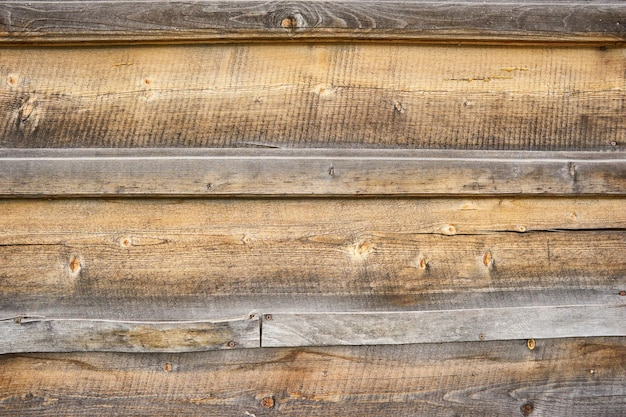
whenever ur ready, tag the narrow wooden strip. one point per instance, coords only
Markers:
(193, 307)
(573, 377)
(380, 328)
(310, 173)
(42, 334)
(44, 22)
(329, 95)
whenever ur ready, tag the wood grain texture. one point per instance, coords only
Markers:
(359, 95)
(158, 255)
(384, 328)
(43, 334)
(573, 377)
(45, 22)
(42, 173)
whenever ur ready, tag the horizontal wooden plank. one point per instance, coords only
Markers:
(27, 22)
(397, 250)
(42, 334)
(44, 173)
(358, 95)
(331, 328)
(383, 328)
(202, 307)
(574, 377)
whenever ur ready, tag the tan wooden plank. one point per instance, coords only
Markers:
(573, 377)
(41, 173)
(314, 95)
(44, 334)
(462, 325)
(396, 250)
(26, 22)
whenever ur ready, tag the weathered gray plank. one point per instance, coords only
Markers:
(194, 307)
(560, 377)
(42, 334)
(380, 328)
(43, 173)
(27, 22)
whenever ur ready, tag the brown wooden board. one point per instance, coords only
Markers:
(170, 259)
(215, 173)
(573, 377)
(359, 95)
(52, 22)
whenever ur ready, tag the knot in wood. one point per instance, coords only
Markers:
(268, 402)
(526, 409)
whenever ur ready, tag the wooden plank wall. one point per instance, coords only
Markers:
(251, 208)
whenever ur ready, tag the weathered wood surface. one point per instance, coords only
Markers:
(573, 377)
(41, 173)
(43, 334)
(73, 22)
(173, 248)
(314, 95)
(383, 328)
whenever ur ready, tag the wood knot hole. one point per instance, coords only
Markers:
(423, 263)
(526, 409)
(13, 80)
(268, 402)
(487, 259)
(399, 107)
(75, 265)
(289, 23)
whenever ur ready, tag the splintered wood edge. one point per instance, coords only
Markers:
(311, 172)
(381, 328)
(31, 333)
(72, 22)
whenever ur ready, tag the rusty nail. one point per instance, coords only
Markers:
(526, 409)
(622, 293)
(531, 344)
(167, 367)
(268, 317)
(267, 402)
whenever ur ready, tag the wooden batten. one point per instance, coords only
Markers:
(473, 21)
(209, 173)
(382, 328)
(43, 334)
